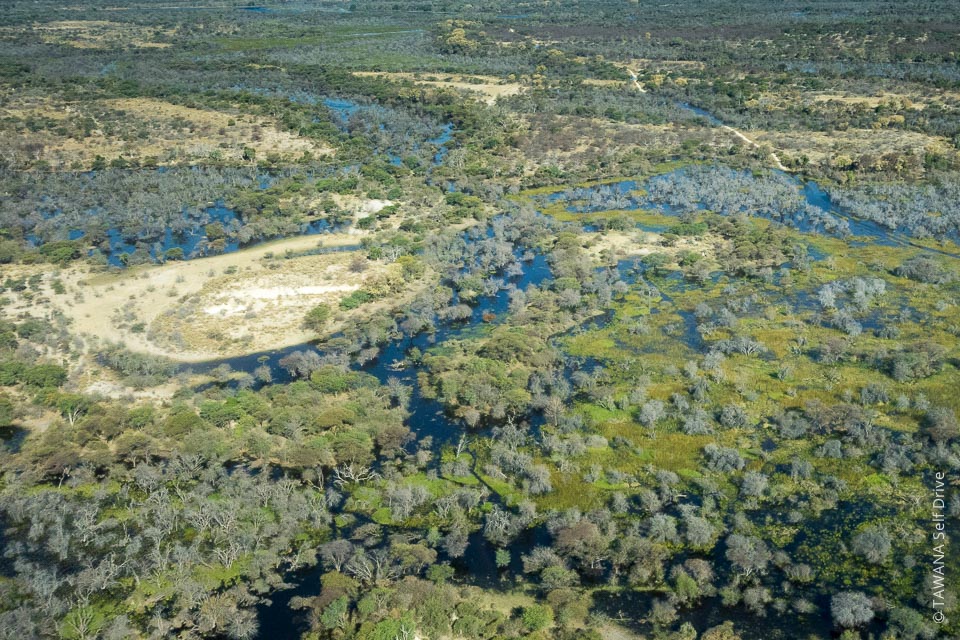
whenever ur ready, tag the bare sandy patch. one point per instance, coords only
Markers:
(649, 63)
(259, 307)
(242, 302)
(116, 390)
(489, 87)
(618, 245)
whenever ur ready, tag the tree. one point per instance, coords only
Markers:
(700, 533)
(748, 554)
(582, 541)
(662, 613)
(440, 573)
(851, 609)
(334, 616)
(456, 541)
(733, 416)
(923, 268)
(910, 624)
(724, 631)
(651, 412)
(8, 411)
(873, 543)
(72, 406)
(336, 553)
(556, 577)
(663, 528)
(754, 484)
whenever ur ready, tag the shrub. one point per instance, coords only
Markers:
(941, 424)
(537, 617)
(356, 299)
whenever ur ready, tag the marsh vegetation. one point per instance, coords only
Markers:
(502, 320)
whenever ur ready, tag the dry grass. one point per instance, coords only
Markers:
(102, 34)
(141, 128)
(604, 83)
(820, 147)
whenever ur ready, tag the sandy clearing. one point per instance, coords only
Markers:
(645, 63)
(491, 88)
(596, 82)
(116, 390)
(241, 132)
(624, 244)
(867, 101)
(134, 306)
(272, 293)
(261, 307)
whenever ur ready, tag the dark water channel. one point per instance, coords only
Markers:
(625, 195)
(427, 419)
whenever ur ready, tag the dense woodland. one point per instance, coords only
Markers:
(626, 374)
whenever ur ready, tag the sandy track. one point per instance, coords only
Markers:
(754, 144)
(636, 81)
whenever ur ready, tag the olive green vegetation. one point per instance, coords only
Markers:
(731, 433)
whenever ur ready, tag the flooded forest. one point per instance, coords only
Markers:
(442, 320)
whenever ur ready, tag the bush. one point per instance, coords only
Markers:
(10, 372)
(61, 251)
(45, 375)
(317, 318)
(356, 299)
(923, 269)
(723, 459)
(941, 424)
(537, 617)
(920, 360)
